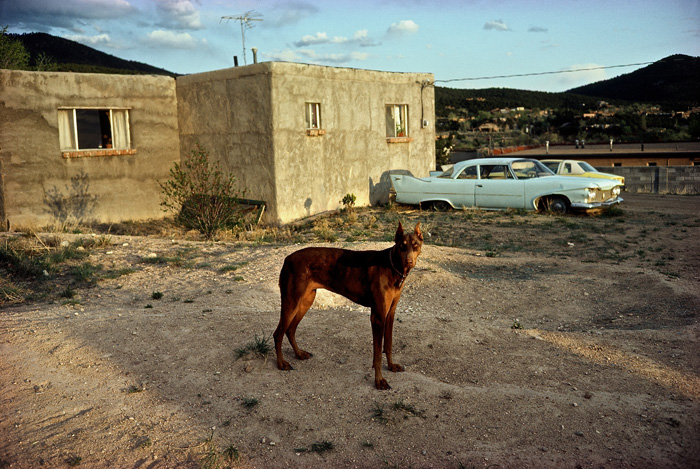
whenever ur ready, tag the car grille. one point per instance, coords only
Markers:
(602, 196)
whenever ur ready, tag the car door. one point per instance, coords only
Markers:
(462, 185)
(498, 188)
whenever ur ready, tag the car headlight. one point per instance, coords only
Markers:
(616, 191)
(590, 193)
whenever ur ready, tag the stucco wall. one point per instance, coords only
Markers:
(228, 112)
(119, 187)
(313, 173)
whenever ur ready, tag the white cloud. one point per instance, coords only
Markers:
(173, 40)
(309, 40)
(360, 38)
(101, 39)
(537, 29)
(496, 25)
(179, 14)
(403, 27)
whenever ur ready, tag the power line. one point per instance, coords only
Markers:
(544, 73)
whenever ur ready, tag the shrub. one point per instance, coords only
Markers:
(349, 202)
(204, 197)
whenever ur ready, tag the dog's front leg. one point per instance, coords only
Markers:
(377, 335)
(388, 333)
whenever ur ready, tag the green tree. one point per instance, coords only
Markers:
(13, 55)
(204, 197)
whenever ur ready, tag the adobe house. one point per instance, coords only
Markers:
(94, 147)
(301, 137)
(84, 147)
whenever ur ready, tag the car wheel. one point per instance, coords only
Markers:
(440, 206)
(557, 205)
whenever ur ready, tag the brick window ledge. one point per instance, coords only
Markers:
(315, 132)
(398, 139)
(92, 153)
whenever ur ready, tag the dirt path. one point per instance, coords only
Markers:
(583, 356)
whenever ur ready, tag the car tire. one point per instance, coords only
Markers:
(440, 206)
(558, 205)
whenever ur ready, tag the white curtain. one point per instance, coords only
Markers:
(120, 129)
(65, 129)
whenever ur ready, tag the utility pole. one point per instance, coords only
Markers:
(245, 20)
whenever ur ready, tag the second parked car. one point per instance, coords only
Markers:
(580, 169)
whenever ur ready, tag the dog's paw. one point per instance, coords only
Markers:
(382, 385)
(284, 365)
(395, 367)
(304, 355)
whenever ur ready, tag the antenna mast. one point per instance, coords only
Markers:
(245, 20)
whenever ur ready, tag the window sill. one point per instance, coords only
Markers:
(315, 132)
(91, 153)
(398, 139)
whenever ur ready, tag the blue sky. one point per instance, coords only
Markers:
(449, 38)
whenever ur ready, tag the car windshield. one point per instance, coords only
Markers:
(586, 167)
(526, 169)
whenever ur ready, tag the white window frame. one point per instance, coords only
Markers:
(313, 116)
(397, 121)
(68, 128)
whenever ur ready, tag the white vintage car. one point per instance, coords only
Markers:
(578, 169)
(500, 183)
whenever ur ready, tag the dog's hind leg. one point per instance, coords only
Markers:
(302, 307)
(286, 318)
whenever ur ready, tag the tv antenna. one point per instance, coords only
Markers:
(245, 20)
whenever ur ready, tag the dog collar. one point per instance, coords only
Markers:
(403, 276)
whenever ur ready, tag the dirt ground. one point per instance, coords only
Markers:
(543, 342)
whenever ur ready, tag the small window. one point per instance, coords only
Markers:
(396, 120)
(495, 171)
(651, 163)
(313, 115)
(617, 164)
(93, 129)
(468, 173)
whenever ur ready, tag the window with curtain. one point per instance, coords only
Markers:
(93, 129)
(313, 115)
(396, 120)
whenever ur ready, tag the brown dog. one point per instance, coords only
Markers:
(370, 278)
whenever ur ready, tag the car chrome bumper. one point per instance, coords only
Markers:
(607, 203)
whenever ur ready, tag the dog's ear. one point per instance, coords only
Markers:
(399, 234)
(418, 232)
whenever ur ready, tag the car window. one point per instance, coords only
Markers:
(553, 165)
(528, 169)
(576, 168)
(566, 169)
(494, 171)
(587, 167)
(468, 173)
(447, 174)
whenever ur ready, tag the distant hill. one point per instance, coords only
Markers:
(488, 99)
(71, 56)
(673, 81)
